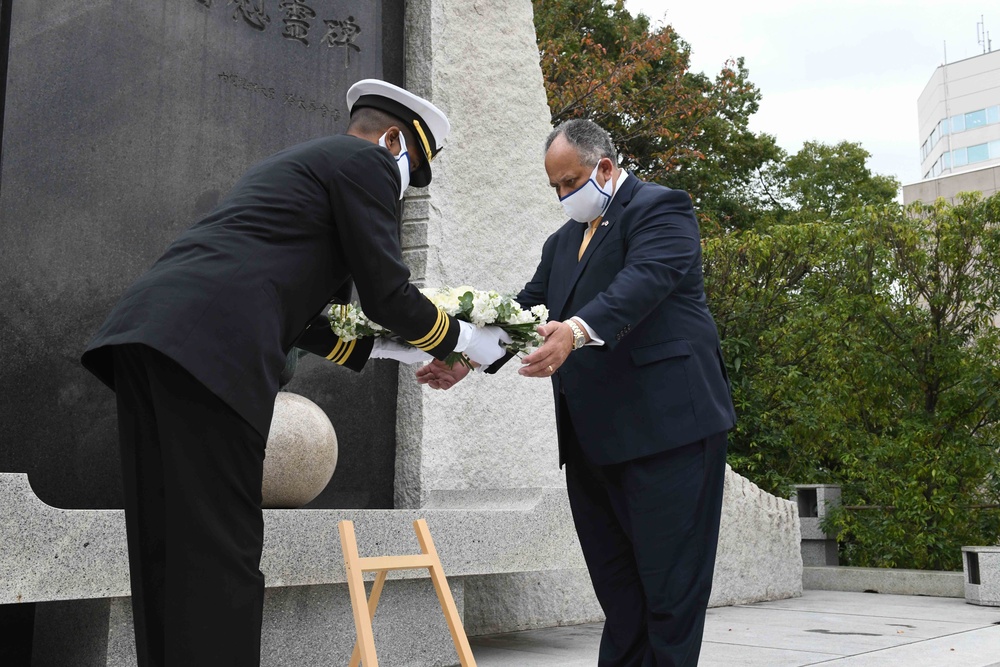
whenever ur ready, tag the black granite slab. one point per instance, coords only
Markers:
(124, 122)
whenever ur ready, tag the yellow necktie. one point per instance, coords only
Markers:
(587, 235)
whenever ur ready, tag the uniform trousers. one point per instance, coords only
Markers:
(192, 471)
(649, 529)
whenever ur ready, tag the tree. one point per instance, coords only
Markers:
(829, 181)
(770, 293)
(931, 452)
(864, 352)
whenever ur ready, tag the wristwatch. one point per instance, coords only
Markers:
(579, 340)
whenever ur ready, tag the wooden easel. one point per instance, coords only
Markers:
(364, 606)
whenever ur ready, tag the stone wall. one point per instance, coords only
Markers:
(489, 209)
(759, 554)
(511, 557)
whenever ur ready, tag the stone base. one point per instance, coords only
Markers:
(982, 575)
(73, 565)
(759, 556)
(819, 552)
(77, 631)
(304, 626)
(529, 600)
(313, 626)
(883, 580)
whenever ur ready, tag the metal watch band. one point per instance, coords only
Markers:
(578, 338)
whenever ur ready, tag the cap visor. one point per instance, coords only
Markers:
(421, 178)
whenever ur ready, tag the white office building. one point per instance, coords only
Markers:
(959, 117)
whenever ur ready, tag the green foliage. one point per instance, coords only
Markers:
(864, 353)
(832, 180)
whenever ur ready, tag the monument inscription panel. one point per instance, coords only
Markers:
(124, 123)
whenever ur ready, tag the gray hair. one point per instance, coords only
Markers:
(591, 141)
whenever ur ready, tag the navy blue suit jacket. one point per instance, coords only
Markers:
(659, 381)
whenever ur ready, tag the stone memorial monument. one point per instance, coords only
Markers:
(125, 121)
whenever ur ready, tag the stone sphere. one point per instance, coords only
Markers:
(301, 452)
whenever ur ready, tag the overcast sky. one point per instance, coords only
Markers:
(832, 71)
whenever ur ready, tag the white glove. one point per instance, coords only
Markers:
(481, 344)
(390, 349)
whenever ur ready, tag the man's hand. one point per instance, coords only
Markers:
(437, 375)
(547, 359)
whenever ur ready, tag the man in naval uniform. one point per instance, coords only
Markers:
(195, 347)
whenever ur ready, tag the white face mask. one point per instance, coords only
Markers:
(589, 200)
(402, 162)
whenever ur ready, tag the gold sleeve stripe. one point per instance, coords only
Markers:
(346, 354)
(436, 334)
(423, 140)
(336, 350)
(420, 342)
(341, 351)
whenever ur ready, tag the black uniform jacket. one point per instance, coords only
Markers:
(658, 382)
(232, 294)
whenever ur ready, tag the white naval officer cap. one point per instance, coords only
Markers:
(429, 124)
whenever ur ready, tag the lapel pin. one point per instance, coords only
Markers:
(604, 224)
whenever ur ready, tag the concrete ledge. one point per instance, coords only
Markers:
(883, 580)
(514, 551)
(48, 554)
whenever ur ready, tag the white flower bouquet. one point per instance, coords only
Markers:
(481, 308)
(350, 323)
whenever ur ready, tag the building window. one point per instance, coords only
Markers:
(960, 157)
(995, 150)
(975, 119)
(946, 160)
(979, 153)
(959, 123)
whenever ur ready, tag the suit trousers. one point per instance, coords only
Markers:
(649, 529)
(192, 471)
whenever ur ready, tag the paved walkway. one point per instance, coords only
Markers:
(820, 628)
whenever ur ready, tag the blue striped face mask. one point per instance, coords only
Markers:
(589, 200)
(402, 162)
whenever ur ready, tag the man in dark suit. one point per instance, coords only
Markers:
(641, 393)
(195, 347)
